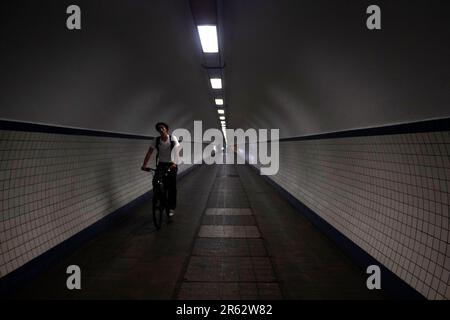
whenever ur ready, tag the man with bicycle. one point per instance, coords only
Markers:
(167, 147)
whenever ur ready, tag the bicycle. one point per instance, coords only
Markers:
(160, 203)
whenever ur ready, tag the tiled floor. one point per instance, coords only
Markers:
(229, 247)
(228, 212)
(228, 232)
(233, 237)
(229, 253)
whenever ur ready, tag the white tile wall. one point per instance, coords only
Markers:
(389, 194)
(52, 186)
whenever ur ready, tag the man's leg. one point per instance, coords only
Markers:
(172, 180)
(156, 177)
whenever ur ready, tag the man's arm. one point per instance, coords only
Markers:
(147, 157)
(176, 153)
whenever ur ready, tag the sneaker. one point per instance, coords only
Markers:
(171, 213)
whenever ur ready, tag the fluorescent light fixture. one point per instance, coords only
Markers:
(216, 83)
(222, 122)
(219, 102)
(222, 118)
(208, 38)
(220, 111)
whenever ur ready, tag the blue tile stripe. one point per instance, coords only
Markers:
(14, 125)
(434, 125)
(36, 266)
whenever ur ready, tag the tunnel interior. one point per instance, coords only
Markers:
(353, 123)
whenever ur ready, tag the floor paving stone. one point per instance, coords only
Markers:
(229, 211)
(215, 231)
(229, 247)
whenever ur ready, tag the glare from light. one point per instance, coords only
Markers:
(225, 136)
(224, 131)
(220, 111)
(208, 38)
(216, 83)
(219, 102)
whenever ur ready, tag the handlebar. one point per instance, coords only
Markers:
(153, 169)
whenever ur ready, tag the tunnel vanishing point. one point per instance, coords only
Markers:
(346, 198)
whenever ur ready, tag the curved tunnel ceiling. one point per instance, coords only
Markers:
(302, 66)
(132, 63)
(312, 66)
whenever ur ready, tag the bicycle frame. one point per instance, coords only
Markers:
(160, 197)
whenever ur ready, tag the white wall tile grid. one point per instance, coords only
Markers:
(52, 186)
(389, 194)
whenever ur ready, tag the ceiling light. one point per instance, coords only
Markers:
(219, 102)
(220, 111)
(222, 118)
(216, 83)
(208, 38)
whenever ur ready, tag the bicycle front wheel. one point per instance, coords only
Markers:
(158, 210)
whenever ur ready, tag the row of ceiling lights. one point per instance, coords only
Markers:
(210, 44)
